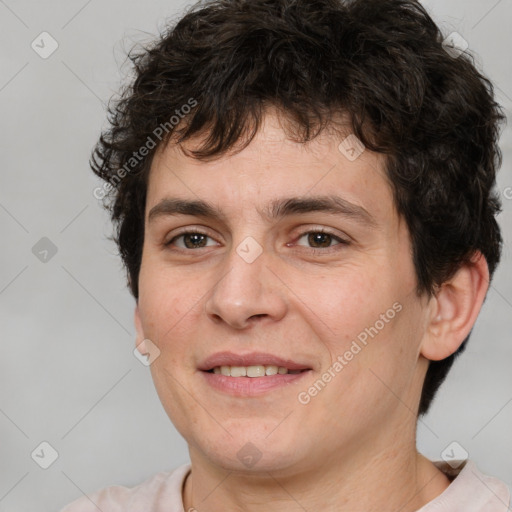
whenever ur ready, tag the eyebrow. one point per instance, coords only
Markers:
(276, 209)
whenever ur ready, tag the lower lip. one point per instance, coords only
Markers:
(251, 386)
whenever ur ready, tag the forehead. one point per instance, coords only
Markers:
(273, 166)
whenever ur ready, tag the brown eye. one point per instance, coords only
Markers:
(191, 240)
(319, 239)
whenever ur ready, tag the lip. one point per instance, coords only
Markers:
(251, 386)
(249, 359)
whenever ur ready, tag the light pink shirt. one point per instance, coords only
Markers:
(470, 491)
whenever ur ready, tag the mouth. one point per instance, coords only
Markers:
(253, 371)
(249, 375)
(253, 364)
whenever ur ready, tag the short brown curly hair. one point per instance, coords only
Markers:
(380, 62)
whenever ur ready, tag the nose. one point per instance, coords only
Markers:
(247, 293)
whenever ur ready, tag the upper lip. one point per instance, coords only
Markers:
(249, 359)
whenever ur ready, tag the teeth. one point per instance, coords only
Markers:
(239, 371)
(252, 371)
(271, 370)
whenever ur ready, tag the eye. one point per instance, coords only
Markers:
(190, 240)
(321, 239)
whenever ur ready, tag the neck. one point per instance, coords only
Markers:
(397, 479)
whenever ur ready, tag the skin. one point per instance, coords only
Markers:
(353, 446)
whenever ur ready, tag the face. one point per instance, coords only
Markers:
(281, 256)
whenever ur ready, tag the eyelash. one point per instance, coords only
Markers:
(313, 250)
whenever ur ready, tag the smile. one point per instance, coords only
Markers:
(252, 371)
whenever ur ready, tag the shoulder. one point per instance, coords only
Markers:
(160, 492)
(470, 490)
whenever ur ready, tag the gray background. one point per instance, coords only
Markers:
(68, 373)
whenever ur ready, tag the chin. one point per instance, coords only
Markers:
(248, 450)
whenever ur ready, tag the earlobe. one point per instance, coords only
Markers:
(455, 308)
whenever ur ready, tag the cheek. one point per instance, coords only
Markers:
(343, 306)
(363, 320)
(165, 301)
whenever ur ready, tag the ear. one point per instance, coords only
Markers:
(139, 340)
(454, 309)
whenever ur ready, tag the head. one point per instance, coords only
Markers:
(242, 109)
